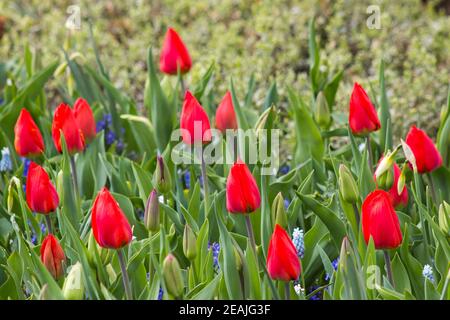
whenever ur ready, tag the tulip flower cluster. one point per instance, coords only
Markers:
(138, 224)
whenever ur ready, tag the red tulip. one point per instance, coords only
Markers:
(52, 255)
(362, 117)
(64, 120)
(282, 260)
(85, 119)
(28, 139)
(194, 121)
(380, 221)
(398, 200)
(174, 54)
(40, 192)
(109, 223)
(242, 191)
(225, 115)
(427, 155)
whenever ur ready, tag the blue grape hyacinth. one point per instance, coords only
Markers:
(299, 241)
(428, 272)
(215, 247)
(5, 162)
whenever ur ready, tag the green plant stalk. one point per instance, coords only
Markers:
(150, 267)
(433, 190)
(125, 279)
(356, 212)
(287, 291)
(251, 236)
(48, 220)
(444, 289)
(205, 183)
(74, 176)
(387, 260)
(369, 150)
(422, 220)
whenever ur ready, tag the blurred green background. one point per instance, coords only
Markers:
(267, 38)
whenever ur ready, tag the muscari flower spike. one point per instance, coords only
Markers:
(5, 162)
(428, 272)
(299, 241)
(334, 264)
(215, 247)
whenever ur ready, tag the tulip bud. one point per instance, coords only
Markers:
(189, 243)
(444, 218)
(347, 185)
(345, 251)
(278, 211)
(427, 156)
(386, 163)
(52, 256)
(161, 178)
(172, 276)
(73, 288)
(60, 182)
(401, 180)
(386, 180)
(43, 294)
(151, 215)
(322, 111)
(238, 257)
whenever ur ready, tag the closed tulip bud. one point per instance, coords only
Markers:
(238, 257)
(85, 119)
(28, 140)
(151, 214)
(174, 54)
(380, 221)
(44, 294)
(109, 224)
(344, 253)
(41, 194)
(282, 260)
(401, 181)
(225, 115)
(322, 111)
(363, 117)
(194, 121)
(64, 121)
(52, 256)
(427, 156)
(161, 178)
(444, 218)
(347, 185)
(278, 211)
(390, 181)
(60, 182)
(172, 276)
(242, 191)
(73, 288)
(386, 180)
(189, 243)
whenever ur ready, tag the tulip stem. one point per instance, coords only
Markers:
(183, 86)
(356, 212)
(251, 236)
(369, 150)
(126, 281)
(74, 174)
(433, 191)
(49, 223)
(287, 291)
(205, 183)
(388, 268)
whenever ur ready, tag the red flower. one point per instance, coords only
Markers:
(380, 221)
(85, 119)
(109, 223)
(52, 256)
(174, 54)
(64, 120)
(194, 121)
(225, 115)
(427, 155)
(40, 192)
(28, 139)
(242, 191)
(362, 117)
(398, 200)
(282, 260)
